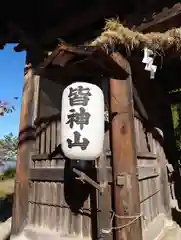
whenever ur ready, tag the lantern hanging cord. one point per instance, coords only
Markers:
(134, 219)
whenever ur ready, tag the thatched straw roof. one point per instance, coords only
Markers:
(115, 34)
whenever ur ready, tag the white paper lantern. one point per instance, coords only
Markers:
(82, 121)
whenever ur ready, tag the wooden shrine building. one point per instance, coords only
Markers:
(128, 192)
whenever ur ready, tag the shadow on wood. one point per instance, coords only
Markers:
(76, 192)
(176, 216)
(6, 208)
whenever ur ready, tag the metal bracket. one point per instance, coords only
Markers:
(120, 180)
(84, 178)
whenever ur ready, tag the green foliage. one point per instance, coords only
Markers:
(175, 90)
(3, 194)
(176, 125)
(10, 144)
(175, 116)
(8, 174)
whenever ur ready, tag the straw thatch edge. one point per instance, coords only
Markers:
(115, 34)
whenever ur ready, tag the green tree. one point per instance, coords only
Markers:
(10, 144)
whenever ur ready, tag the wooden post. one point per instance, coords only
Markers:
(126, 188)
(26, 144)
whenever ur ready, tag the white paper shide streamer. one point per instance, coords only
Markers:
(148, 60)
(82, 121)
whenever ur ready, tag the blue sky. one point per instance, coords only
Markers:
(11, 84)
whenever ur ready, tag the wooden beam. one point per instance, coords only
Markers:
(145, 172)
(26, 141)
(47, 61)
(108, 64)
(57, 174)
(146, 155)
(46, 174)
(160, 21)
(63, 53)
(80, 60)
(78, 50)
(124, 155)
(40, 157)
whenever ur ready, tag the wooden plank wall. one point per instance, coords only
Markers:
(47, 204)
(153, 180)
(149, 183)
(56, 199)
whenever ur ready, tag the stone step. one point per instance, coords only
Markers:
(32, 233)
(5, 229)
(171, 233)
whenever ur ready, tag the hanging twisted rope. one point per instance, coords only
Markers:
(132, 220)
(116, 34)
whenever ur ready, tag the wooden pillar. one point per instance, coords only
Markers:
(126, 188)
(26, 144)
